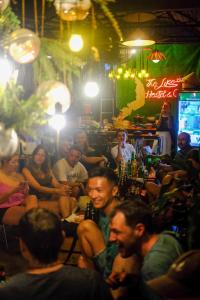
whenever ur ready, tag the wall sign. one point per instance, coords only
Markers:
(162, 88)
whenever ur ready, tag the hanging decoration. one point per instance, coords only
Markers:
(156, 56)
(52, 93)
(72, 10)
(4, 4)
(24, 46)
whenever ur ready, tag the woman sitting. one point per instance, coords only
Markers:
(90, 157)
(14, 197)
(43, 184)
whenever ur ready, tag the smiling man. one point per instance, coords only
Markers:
(94, 238)
(131, 228)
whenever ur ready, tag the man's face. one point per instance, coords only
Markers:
(121, 137)
(73, 157)
(101, 191)
(182, 141)
(128, 239)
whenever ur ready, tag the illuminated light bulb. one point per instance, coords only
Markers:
(91, 89)
(119, 70)
(147, 75)
(132, 75)
(156, 61)
(118, 76)
(143, 71)
(110, 75)
(139, 75)
(76, 42)
(138, 42)
(57, 122)
(126, 75)
(133, 51)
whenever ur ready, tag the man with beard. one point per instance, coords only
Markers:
(131, 228)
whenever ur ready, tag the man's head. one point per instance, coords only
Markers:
(40, 235)
(130, 225)
(183, 140)
(73, 155)
(121, 136)
(102, 186)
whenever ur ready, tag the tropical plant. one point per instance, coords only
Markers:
(20, 114)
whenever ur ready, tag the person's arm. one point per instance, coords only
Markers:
(93, 159)
(116, 153)
(59, 170)
(83, 174)
(5, 196)
(35, 184)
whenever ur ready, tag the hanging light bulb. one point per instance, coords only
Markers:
(156, 56)
(76, 42)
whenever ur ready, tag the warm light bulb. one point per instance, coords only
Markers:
(120, 70)
(91, 89)
(155, 61)
(57, 122)
(76, 42)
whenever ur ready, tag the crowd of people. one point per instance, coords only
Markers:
(132, 248)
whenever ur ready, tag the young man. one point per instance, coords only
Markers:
(94, 238)
(41, 237)
(131, 228)
(123, 150)
(69, 170)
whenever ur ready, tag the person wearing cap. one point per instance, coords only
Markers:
(131, 228)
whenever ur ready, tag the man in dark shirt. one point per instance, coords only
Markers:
(179, 161)
(41, 237)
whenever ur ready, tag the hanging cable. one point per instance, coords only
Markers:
(23, 13)
(36, 16)
(42, 18)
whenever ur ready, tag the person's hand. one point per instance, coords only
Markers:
(116, 279)
(67, 189)
(22, 187)
(61, 191)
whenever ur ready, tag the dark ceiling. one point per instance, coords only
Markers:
(174, 21)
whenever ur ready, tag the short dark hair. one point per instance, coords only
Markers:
(108, 173)
(187, 136)
(135, 211)
(41, 231)
(74, 147)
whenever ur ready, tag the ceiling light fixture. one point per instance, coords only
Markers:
(138, 38)
(156, 56)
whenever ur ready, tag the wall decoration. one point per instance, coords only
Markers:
(162, 88)
(24, 46)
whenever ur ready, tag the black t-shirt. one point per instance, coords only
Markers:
(68, 283)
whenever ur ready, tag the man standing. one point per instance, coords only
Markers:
(94, 238)
(41, 237)
(122, 151)
(69, 170)
(131, 228)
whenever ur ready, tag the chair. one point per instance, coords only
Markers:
(3, 235)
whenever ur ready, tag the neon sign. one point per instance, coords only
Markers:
(162, 88)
